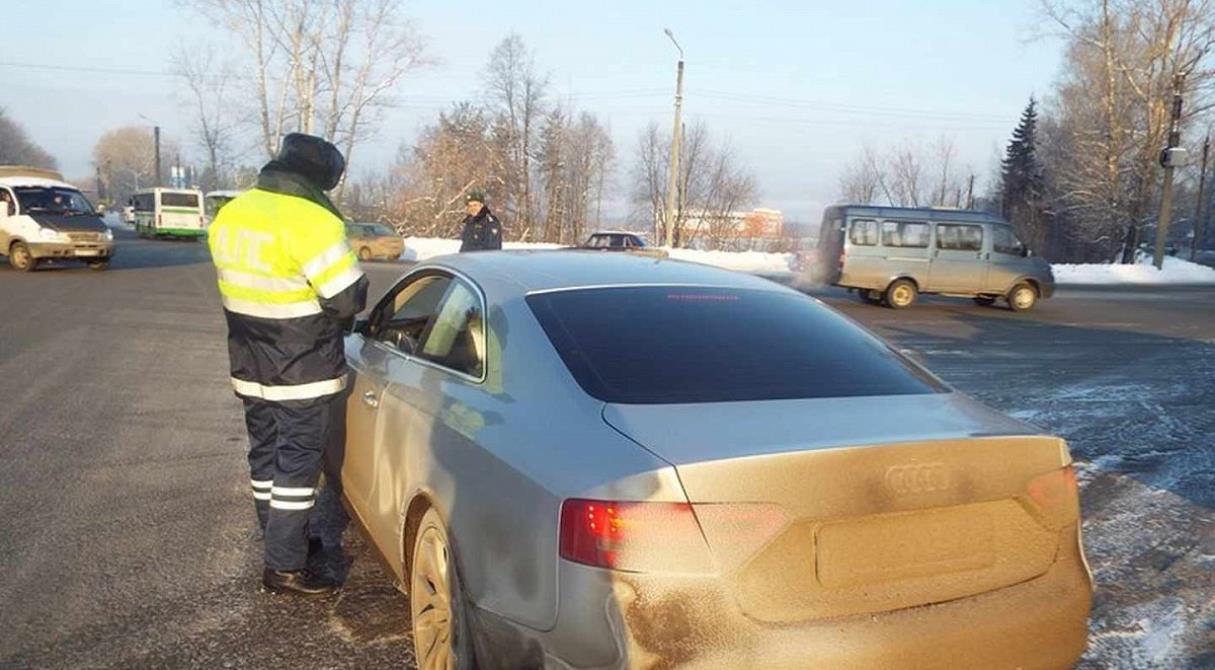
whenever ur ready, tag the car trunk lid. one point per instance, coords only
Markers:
(834, 507)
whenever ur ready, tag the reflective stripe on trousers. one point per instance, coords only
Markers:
(287, 392)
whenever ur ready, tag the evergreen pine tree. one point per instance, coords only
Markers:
(1022, 183)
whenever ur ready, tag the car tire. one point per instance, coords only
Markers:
(364, 254)
(901, 294)
(442, 636)
(99, 266)
(1022, 297)
(21, 258)
(984, 300)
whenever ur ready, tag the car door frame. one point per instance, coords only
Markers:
(396, 487)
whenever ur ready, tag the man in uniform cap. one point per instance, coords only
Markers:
(482, 230)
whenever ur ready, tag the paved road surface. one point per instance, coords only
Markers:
(126, 533)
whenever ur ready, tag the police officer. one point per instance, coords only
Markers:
(290, 286)
(482, 230)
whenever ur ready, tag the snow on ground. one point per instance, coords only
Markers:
(1176, 271)
(423, 248)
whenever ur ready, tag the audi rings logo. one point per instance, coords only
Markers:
(917, 478)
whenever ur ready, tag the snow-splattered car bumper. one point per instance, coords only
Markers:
(619, 620)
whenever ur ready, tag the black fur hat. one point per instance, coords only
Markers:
(313, 158)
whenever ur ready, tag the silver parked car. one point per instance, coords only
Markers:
(890, 255)
(571, 459)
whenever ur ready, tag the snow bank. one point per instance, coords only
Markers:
(757, 262)
(423, 248)
(1176, 271)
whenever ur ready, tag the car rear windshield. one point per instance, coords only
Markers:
(179, 200)
(658, 345)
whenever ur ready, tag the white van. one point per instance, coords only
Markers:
(169, 212)
(43, 217)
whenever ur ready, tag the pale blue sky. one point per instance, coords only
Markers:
(843, 73)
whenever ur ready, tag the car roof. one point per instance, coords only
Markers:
(38, 182)
(933, 213)
(552, 270)
(633, 233)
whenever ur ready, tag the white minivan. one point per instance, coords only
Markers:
(45, 218)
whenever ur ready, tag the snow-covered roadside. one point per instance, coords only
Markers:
(1176, 271)
(423, 248)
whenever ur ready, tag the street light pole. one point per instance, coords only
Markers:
(1169, 160)
(676, 140)
(156, 142)
(1200, 207)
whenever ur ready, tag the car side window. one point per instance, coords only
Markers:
(864, 233)
(1003, 241)
(402, 320)
(456, 338)
(905, 234)
(959, 237)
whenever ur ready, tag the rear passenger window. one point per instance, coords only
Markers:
(955, 237)
(904, 234)
(864, 233)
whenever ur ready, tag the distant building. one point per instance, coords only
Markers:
(760, 223)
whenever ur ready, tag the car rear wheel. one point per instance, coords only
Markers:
(99, 265)
(984, 300)
(20, 257)
(1022, 297)
(441, 634)
(901, 294)
(364, 254)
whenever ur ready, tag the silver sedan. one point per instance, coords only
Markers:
(582, 460)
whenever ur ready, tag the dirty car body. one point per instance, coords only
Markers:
(662, 464)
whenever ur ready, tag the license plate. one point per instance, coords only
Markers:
(88, 252)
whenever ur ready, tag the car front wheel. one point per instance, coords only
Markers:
(441, 634)
(20, 257)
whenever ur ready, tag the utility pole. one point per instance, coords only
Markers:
(970, 193)
(156, 141)
(1172, 156)
(676, 140)
(1198, 208)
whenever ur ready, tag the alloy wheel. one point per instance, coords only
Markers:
(430, 603)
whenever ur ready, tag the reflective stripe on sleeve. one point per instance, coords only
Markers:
(323, 260)
(340, 282)
(269, 310)
(289, 392)
(291, 505)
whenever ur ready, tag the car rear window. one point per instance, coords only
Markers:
(659, 345)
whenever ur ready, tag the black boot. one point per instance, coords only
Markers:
(299, 582)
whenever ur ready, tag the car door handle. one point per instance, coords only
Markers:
(370, 399)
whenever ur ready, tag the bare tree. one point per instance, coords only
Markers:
(516, 92)
(320, 66)
(1111, 108)
(16, 147)
(210, 83)
(864, 180)
(126, 158)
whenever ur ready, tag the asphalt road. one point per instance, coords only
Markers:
(126, 526)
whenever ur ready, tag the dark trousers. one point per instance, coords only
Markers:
(290, 444)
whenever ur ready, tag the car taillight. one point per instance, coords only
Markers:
(1056, 492)
(633, 536)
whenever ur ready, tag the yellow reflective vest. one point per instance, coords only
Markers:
(289, 283)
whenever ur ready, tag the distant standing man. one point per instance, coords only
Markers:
(290, 286)
(482, 230)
